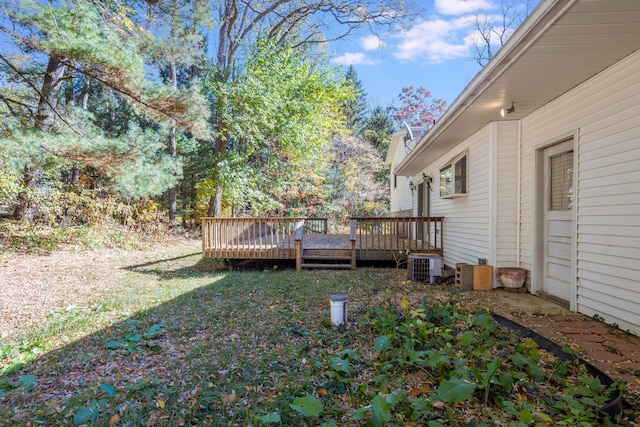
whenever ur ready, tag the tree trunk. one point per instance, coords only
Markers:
(85, 94)
(173, 152)
(215, 203)
(70, 91)
(44, 122)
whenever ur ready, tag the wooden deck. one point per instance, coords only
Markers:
(307, 240)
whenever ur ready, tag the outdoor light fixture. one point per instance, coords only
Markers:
(412, 186)
(509, 110)
(427, 179)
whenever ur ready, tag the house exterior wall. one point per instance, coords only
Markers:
(400, 197)
(484, 223)
(602, 114)
(467, 218)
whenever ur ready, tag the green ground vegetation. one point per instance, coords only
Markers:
(179, 342)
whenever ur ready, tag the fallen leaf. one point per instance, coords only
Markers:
(114, 419)
(415, 392)
(230, 398)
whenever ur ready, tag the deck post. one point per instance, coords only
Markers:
(298, 243)
(353, 226)
(204, 236)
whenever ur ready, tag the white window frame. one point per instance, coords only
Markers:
(454, 177)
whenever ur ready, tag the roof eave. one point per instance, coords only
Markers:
(534, 26)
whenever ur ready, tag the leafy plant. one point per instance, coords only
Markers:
(136, 341)
(308, 406)
(256, 348)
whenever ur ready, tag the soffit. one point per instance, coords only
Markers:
(561, 45)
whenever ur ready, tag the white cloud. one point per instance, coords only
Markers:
(371, 42)
(353, 58)
(436, 40)
(460, 7)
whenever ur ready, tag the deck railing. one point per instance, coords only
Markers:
(400, 235)
(250, 238)
(284, 238)
(316, 226)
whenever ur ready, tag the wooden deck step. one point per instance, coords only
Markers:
(328, 257)
(326, 266)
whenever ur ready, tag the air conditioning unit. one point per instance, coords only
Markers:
(423, 267)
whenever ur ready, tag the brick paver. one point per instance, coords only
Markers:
(613, 351)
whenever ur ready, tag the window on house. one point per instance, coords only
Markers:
(454, 177)
(446, 183)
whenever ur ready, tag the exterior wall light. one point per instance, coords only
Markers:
(509, 110)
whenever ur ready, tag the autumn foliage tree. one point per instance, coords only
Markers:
(417, 107)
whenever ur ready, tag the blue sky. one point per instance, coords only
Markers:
(436, 52)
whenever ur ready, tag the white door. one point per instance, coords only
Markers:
(558, 220)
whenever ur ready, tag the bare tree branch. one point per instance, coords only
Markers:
(492, 32)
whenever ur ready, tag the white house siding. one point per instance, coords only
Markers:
(467, 218)
(400, 195)
(506, 195)
(604, 113)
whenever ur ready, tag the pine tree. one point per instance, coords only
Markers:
(114, 128)
(355, 108)
(378, 129)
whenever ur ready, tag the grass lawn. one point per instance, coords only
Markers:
(176, 342)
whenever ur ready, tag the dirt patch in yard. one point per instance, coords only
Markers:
(35, 286)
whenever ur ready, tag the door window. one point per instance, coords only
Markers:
(561, 181)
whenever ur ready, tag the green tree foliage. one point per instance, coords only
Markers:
(277, 116)
(180, 58)
(111, 97)
(378, 129)
(75, 94)
(286, 23)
